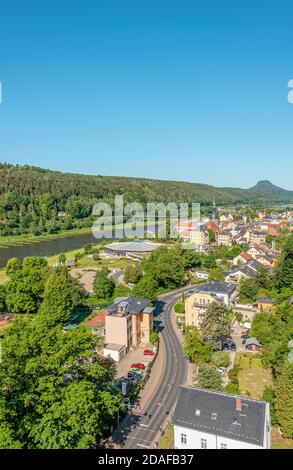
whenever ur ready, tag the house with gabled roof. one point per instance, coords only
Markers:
(204, 419)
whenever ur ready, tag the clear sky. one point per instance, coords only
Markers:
(171, 89)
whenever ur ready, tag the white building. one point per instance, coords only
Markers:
(204, 419)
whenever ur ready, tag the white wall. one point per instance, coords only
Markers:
(213, 442)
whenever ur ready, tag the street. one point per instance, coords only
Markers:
(144, 431)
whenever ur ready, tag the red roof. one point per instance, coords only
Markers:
(98, 320)
(213, 227)
(246, 256)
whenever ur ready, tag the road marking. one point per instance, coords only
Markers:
(144, 447)
(144, 425)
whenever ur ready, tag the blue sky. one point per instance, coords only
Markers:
(170, 89)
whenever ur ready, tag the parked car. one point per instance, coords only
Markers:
(148, 352)
(222, 370)
(133, 375)
(138, 365)
(137, 371)
(233, 347)
(226, 347)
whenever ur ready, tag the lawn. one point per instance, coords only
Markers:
(247, 361)
(167, 441)
(3, 276)
(252, 382)
(278, 441)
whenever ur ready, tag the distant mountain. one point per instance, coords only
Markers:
(33, 182)
(265, 189)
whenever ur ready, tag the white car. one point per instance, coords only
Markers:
(222, 370)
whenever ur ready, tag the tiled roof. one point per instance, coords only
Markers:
(216, 413)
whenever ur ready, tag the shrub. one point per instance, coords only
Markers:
(179, 307)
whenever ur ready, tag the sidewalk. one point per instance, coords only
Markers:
(154, 378)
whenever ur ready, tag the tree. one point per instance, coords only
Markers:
(154, 338)
(232, 388)
(214, 325)
(133, 274)
(62, 258)
(269, 395)
(216, 275)
(208, 377)
(283, 400)
(247, 290)
(166, 267)
(284, 272)
(146, 287)
(3, 306)
(58, 297)
(25, 288)
(221, 358)
(103, 284)
(63, 394)
(195, 348)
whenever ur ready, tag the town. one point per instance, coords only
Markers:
(208, 329)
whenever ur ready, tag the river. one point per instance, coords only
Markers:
(45, 247)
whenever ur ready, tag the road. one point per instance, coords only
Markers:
(143, 432)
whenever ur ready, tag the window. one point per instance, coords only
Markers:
(183, 438)
(203, 444)
(223, 446)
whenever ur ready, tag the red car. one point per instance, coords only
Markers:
(148, 352)
(138, 366)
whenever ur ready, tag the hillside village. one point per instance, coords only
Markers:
(228, 302)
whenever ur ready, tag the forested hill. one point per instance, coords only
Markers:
(33, 181)
(31, 197)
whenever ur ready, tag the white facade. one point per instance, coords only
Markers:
(187, 438)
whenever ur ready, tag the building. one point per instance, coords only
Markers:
(257, 237)
(264, 303)
(204, 419)
(197, 304)
(225, 238)
(128, 322)
(200, 274)
(135, 249)
(224, 290)
(199, 238)
(247, 270)
(252, 344)
(242, 258)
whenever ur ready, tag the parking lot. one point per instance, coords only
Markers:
(134, 356)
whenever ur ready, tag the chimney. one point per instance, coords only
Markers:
(238, 404)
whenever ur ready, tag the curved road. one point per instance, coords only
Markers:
(144, 432)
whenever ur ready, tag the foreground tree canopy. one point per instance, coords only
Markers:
(56, 391)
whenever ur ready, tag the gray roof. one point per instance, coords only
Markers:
(136, 246)
(265, 300)
(114, 347)
(131, 305)
(215, 413)
(251, 341)
(218, 287)
(291, 300)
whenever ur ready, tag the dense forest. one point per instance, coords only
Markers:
(35, 200)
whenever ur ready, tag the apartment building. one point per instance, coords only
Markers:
(128, 322)
(197, 304)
